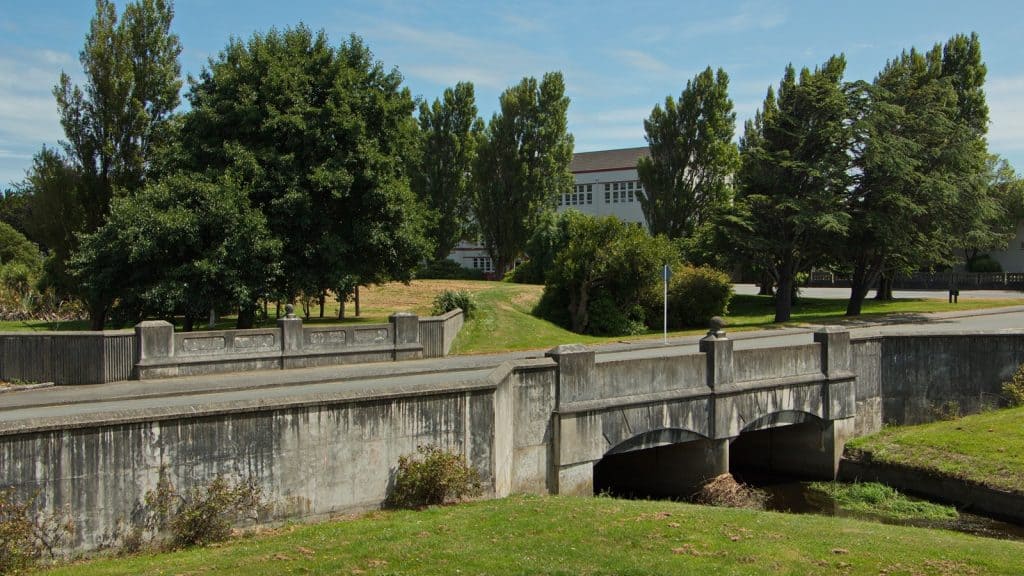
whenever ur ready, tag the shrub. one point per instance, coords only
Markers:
(432, 476)
(695, 295)
(449, 300)
(17, 547)
(608, 318)
(447, 270)
(948, 410)
(602, 261)
(26, 535)
(1013, 389)
(204, 514)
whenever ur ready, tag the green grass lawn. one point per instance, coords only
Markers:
(565, 535)
(503, 320)
(986, 448)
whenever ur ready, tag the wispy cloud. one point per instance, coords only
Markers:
(1005, 95)
(641, 61)
(524, 23)
(749, 16)
(28, 113)
(487, 63)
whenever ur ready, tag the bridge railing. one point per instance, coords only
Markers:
(67, 357)
(153, 349)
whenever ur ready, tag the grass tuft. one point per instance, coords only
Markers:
(881, 500)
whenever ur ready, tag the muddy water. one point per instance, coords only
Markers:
(795, 496)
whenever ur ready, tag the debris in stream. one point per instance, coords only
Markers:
(726, 492)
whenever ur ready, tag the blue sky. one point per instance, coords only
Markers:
(619, 58)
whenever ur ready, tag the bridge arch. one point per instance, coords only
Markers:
(666, 462)
(786, 442)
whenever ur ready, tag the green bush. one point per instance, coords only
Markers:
(984, 264)
(600, 274)
(204, 514)
(1013, 389)
(447, 270)
(449, 300)
(432, 476)
(608, 318)
(695, 295)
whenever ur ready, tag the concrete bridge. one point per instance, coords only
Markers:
(641, 418)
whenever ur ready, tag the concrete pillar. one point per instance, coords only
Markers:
(718, 350)
(291, 331)
(716, 458)
(154, 340)
(835, 350)
(574, 380)
(406, 326)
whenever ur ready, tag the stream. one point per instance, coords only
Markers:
(795, 496)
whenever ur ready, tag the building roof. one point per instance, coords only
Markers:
(605, 160)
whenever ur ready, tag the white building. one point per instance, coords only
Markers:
(606, 184)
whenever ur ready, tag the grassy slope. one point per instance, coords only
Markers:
(560, 535)
(987, 448)
(504, 321)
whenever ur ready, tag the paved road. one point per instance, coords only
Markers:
(844, 293)
(125, 401)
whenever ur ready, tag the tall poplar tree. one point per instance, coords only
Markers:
(449, 131)
(522, 165)
(686, 179)
(114, 120)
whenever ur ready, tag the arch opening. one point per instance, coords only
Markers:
(666, 463)
(777, 446)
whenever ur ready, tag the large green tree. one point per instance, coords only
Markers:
(114, 120)
(522, 165)
(920, 190)
(182, 246)
(319, 136)
(686, 180)
(55, 214)
(795, 169)
(449, 131)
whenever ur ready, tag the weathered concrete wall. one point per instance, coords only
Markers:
(920, 373)
(312, 460)
(865, 362)
(67, 357)
(437, 333)
(767, 363)
(538, 425)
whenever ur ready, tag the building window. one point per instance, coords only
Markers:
(483, 263)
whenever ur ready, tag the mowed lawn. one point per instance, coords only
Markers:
(503, 320)
(986, 448)
(588, 536)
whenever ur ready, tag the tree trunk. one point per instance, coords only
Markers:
(884, 290)
(578, 315)
(188, 323)
(341, 308)
(246, 318)
(784, 294)
(859, 286)
(97, 315)
(323, 300)
(357, 301)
